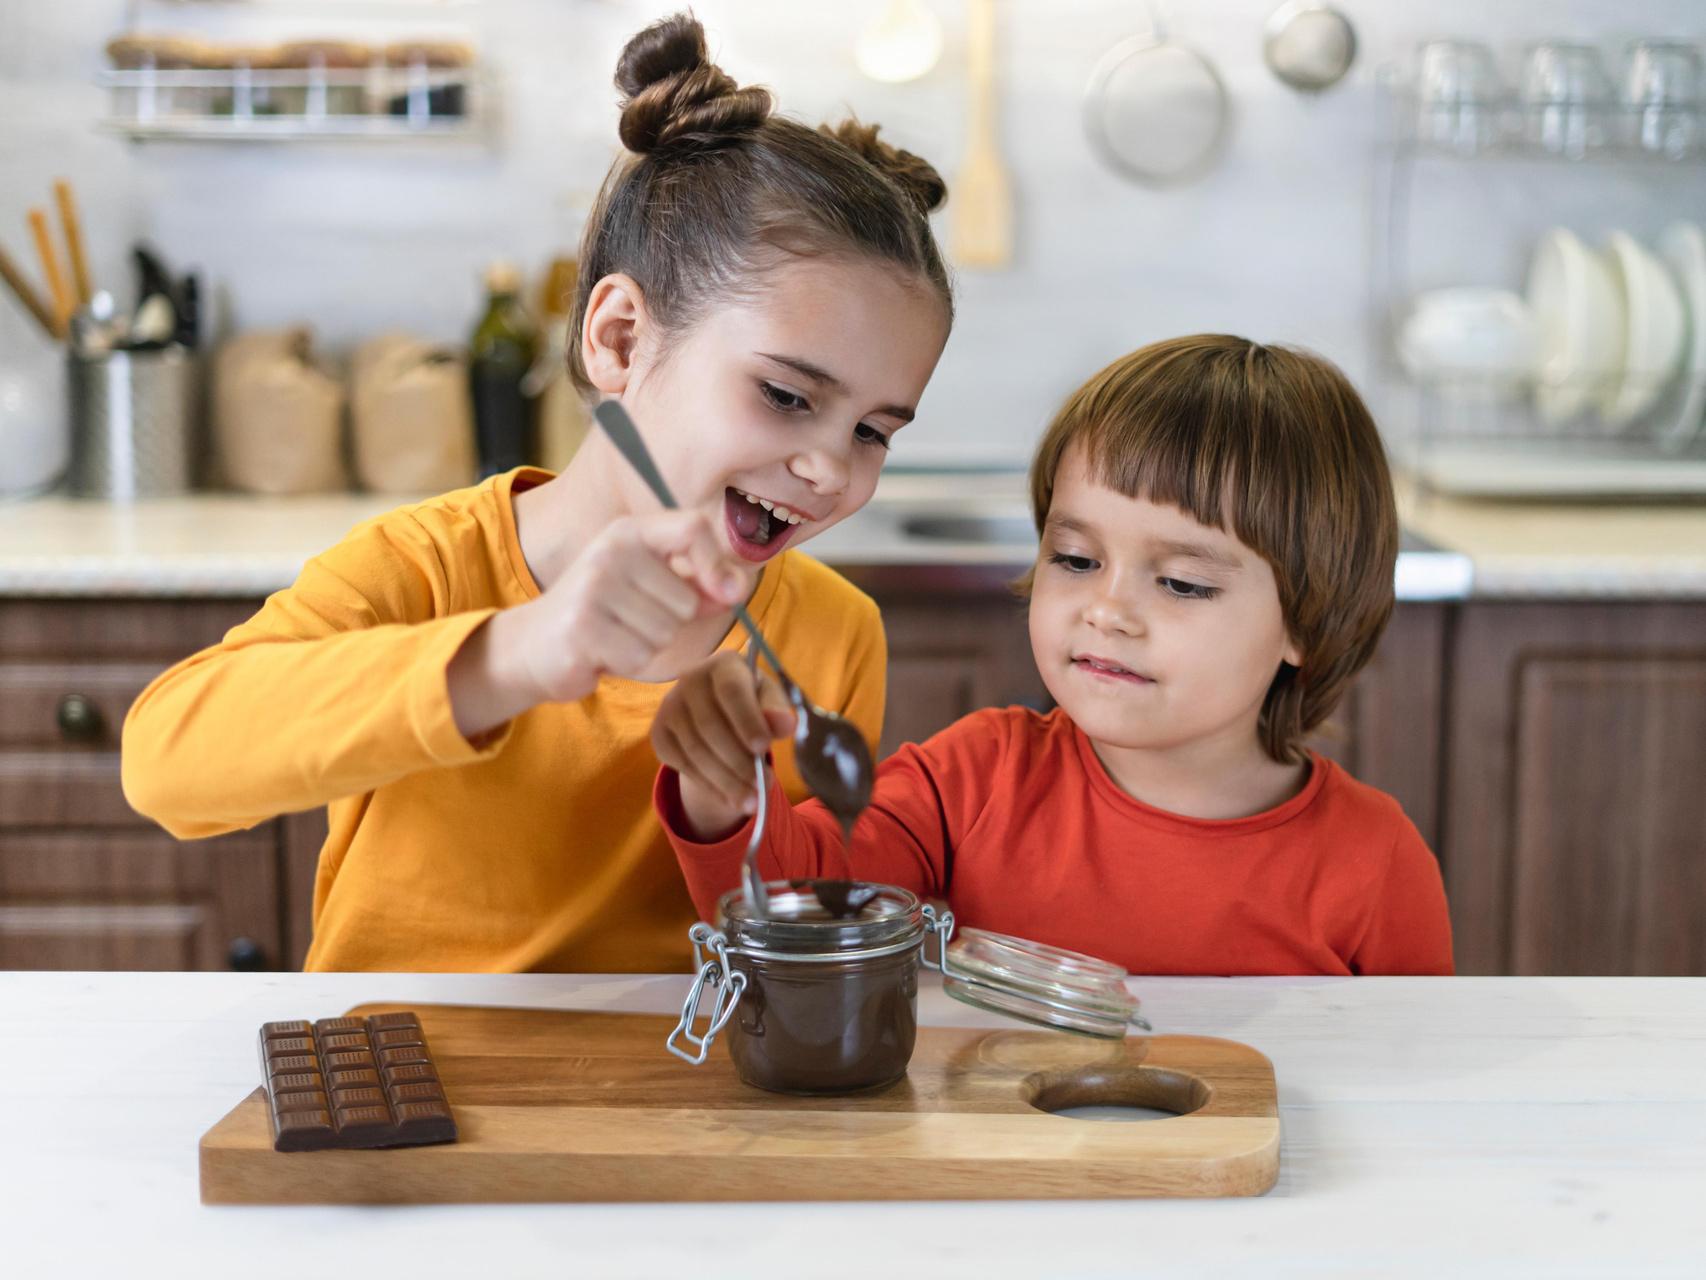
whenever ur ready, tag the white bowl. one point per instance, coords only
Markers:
(1579, 310)
(1469, 343)
(1655, 329)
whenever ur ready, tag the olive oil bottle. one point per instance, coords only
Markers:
(504, 347)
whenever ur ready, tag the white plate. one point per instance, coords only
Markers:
(1579, 308)
(1654, 331)
(1683, 247)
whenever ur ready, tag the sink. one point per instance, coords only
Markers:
(1014, 530)
(962, 526)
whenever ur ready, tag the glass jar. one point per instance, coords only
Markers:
(826, 1002)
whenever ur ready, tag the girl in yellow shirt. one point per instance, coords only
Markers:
(468, 683)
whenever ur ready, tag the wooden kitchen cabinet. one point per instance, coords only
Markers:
(1576, 793)
(1387, 729)
(1549, 753)
(86, 882)
(951, 656)
(106, 899)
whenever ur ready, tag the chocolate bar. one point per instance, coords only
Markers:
(353, 1083)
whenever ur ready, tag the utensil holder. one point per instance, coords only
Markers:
(134, 417)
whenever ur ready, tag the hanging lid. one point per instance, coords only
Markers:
(1041, 984)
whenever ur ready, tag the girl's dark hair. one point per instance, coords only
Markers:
(717, 186)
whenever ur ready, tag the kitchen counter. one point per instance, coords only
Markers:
(1431, 1127)
(226, 545)
(1539, 550)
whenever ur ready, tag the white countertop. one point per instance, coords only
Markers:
(1431, 1127)
(239, 546)
(243, 546)
(1555, 550)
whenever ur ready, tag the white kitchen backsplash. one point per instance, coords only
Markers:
(1276, 242)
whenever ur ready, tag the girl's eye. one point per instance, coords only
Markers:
(1187, 590)
(785, 401)
(866, 434)
(1072, 564)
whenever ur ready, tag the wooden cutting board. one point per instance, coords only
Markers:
(573, 1106)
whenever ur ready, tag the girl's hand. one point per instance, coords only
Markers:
(626, 597)
(710, 726)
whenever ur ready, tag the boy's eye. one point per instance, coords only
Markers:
(1187, 590)
(781, 399)
(864, 433)
(1071, 563)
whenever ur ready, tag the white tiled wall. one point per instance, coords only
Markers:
(1276, 242)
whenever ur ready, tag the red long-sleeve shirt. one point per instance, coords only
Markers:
(1010, 817)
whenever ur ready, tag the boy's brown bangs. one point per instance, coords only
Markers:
(1160, 426)
(1151, 458)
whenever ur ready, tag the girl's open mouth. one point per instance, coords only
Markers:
(757, 529)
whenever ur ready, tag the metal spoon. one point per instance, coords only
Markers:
(831, 753)
(751, 883)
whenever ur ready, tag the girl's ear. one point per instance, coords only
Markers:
(616, 320)
(1293, 654)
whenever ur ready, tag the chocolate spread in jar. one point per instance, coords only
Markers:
(831, 998)
(842, 899)
(828, 1027)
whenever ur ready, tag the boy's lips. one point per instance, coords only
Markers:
(1101, 668)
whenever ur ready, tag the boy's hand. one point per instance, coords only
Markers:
(710, 726)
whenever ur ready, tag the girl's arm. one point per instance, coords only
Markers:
(343, 682)
(335, 687)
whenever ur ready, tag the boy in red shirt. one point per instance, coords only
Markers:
(1218, 537)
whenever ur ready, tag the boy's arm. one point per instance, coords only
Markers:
(906, 837)
(1409, 931)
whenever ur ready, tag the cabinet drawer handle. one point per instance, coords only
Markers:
(245, 955)
(79, 718)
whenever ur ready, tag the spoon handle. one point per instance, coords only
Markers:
(619, 426)
(626, 437)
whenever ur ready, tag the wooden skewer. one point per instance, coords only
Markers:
(72, 226)
(26, 294)
(63, 305)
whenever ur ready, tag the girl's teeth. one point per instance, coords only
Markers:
(774, 508)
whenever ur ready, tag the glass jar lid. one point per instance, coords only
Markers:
(823, 920)
(1040, 984)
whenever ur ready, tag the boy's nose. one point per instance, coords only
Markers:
(1113, 613)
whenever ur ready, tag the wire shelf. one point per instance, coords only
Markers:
(380, 102)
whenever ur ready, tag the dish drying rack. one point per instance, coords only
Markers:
(1477, 435)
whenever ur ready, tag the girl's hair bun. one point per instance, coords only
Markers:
(673, 94)
(913, 174)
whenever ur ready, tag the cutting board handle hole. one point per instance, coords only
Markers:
(1116, 1093)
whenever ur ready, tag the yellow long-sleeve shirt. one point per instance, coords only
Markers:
(538, 850)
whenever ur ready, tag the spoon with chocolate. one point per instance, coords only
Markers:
(831, 753)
